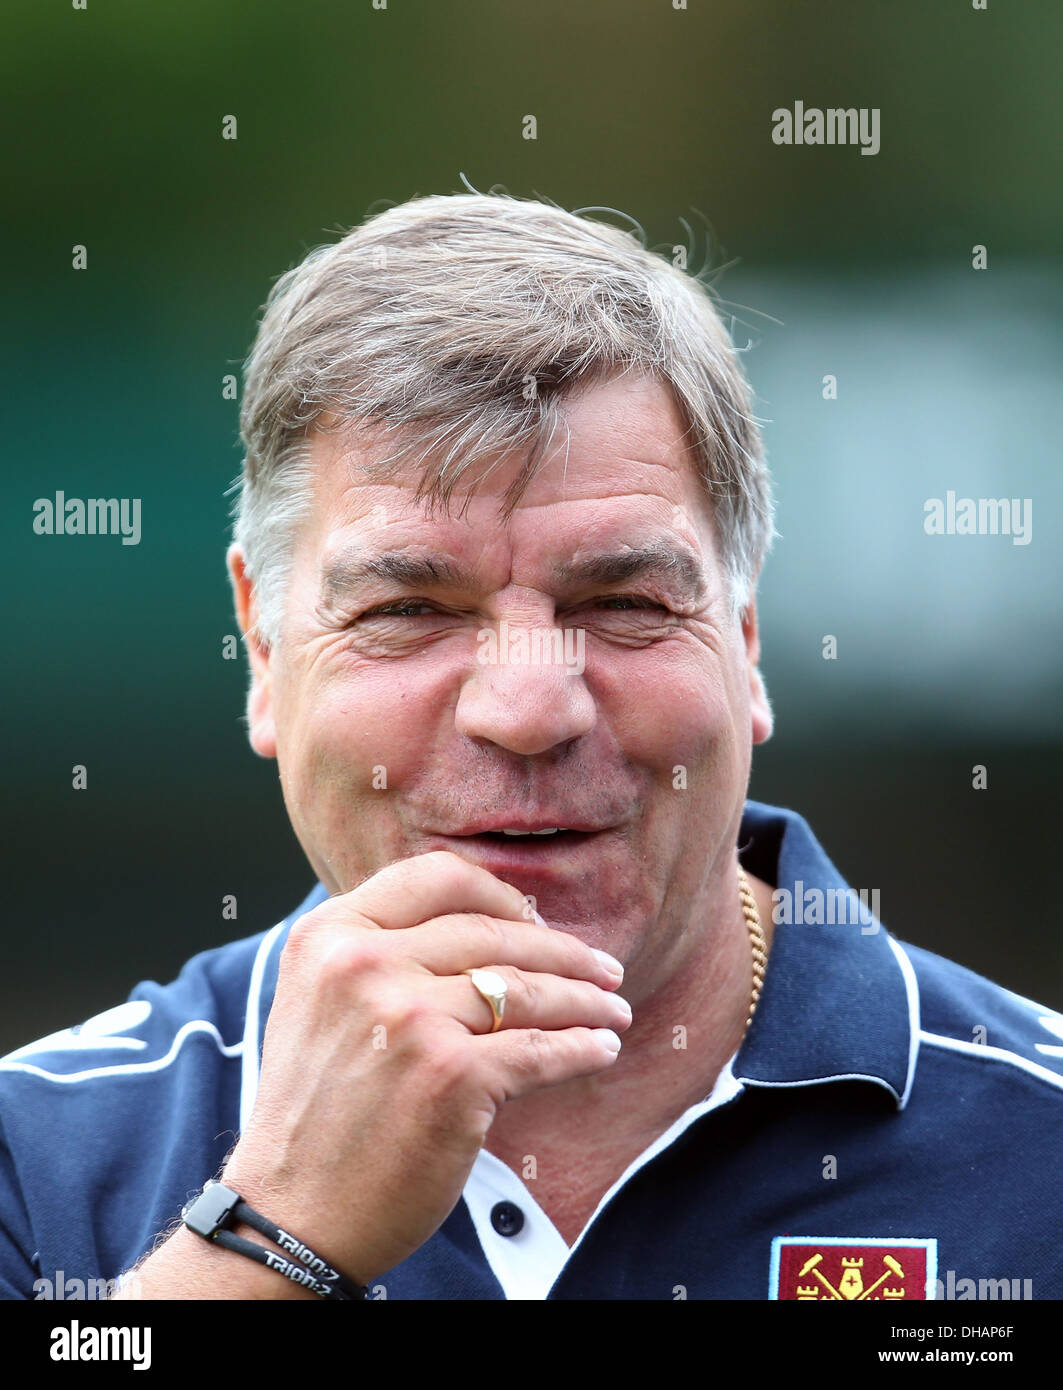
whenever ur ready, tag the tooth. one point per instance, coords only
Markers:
(545, 832)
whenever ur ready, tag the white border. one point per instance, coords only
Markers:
(927, 1243)
(987, 1053)
(250, 1066)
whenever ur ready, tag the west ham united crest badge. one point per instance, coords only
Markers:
(856, 1269)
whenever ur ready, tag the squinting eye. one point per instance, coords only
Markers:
(397, 610)
(617, 603)
(631, 601)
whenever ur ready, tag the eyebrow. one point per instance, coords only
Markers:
(672, 565)
(348, 571)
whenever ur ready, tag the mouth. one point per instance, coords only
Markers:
(552, 832)
(554, 852)
(514, 826)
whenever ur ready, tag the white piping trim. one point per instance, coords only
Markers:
(999, 1054)
(911, 984)
(911, 987)
(196, 1025)
(818, 1081)
(249, 1067)
(69, 1041)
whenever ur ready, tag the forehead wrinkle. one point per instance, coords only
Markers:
(659, 558)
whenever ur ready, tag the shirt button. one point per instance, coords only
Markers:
(506, 1218)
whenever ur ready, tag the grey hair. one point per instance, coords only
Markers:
(457, 324)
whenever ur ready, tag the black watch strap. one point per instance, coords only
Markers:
(216, 1208)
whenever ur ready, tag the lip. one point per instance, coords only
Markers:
(527, 825)
(550, 859)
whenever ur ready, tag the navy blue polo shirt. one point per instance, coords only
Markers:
(888, 1129)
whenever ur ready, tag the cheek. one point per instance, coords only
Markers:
(676, 712)
(346, 733)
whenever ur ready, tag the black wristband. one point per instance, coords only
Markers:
(217, 1207)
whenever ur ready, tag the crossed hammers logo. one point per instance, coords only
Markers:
(852, 1289)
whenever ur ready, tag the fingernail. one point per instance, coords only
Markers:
(624, 1005)
(608, 1039)
(610, 962)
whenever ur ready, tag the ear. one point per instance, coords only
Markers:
(759, 707)
(260, 723)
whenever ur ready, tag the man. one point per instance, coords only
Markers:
(535, 1033)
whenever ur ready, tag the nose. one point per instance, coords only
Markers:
(519, 696)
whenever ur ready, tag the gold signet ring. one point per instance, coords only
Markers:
(491, 987)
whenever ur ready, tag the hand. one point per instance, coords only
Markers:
(380, 1074)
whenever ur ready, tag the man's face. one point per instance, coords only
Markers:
(396, 734)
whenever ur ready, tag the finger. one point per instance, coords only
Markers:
(534, 1001)
(429, 885)
(528, 1059)
(450, 945)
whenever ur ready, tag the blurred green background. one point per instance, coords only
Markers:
(949, 651)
